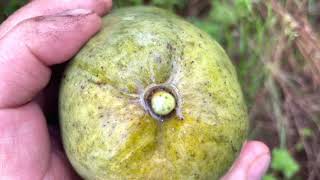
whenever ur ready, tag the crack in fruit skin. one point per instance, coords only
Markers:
(108, 134)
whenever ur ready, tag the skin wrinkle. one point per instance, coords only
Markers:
(45, 8)
(49, 166)
(26, 76)
(14, 130)
(34, 46)
(253, 163)
(30, 73)
(56, 28)
(251, 152)
(5, 157)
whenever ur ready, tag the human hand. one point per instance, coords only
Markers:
(31, 40)
(251, 164)
(41, 34)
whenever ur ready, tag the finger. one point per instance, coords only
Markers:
(59, 168)
(36, 43)
(24, 143)
(252, 163)
(49, 7)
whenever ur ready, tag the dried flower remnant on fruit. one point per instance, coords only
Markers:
(163, 103)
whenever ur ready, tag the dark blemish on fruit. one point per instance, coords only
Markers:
(234, 149)
(170, 47)
(192, 154)
(99, 83)
(205, 155)
(197, 176)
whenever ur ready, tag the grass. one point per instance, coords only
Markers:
(273, 45)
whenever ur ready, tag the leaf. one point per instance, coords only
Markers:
(13, 6)
(223, 13)
(246, 4)
(306, 132)
(282, 161)
(269, 177)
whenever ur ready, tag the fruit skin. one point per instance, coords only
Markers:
(107, 134)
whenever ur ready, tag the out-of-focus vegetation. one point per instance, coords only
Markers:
(9, 6)
(276, 51)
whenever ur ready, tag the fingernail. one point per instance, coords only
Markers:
(76, 12)
(259, 167)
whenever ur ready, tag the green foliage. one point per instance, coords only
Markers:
(124, 3)
(244, 35)
(269, 177)
(167, 4)
(306, 132)
(283, 162)
(8, 7)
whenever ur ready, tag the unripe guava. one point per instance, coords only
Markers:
(151, 97)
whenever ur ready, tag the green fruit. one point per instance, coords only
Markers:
(113, 123)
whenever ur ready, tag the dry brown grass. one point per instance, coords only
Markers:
(289, 103)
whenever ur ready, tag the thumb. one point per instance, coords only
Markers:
(251, 164)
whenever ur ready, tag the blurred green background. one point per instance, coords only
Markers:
(276, 68)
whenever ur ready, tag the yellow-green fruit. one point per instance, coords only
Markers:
(110, 128)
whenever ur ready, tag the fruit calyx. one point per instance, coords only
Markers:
(162, 101)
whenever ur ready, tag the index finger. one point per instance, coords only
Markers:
(33, 45)
(49, 7)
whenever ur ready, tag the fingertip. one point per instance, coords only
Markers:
(72, 28)
(255, 147)
(258, 167)
(252, 163)
(260, 164)
(108, 5)
(101, 7)
(47, 8)
(41, 41)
